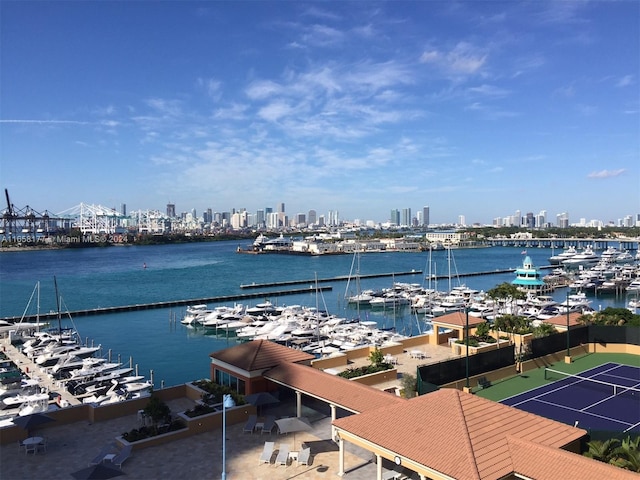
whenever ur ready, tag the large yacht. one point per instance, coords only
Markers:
(586, 258)
(564, 255)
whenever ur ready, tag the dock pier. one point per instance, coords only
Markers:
(34, 371)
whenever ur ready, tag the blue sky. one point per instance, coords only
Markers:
(472, 108)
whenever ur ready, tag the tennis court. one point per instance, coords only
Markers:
(606, 397)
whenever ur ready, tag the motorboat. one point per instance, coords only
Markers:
(583, 259)
(194, 314)
(52, 357)
(564, 255)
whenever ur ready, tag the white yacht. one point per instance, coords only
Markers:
(564, 255)
(585, 258)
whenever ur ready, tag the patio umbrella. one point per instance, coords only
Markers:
(260, 399)
(97, 472)
(293, 425)
(29, 422)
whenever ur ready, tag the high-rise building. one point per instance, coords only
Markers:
(260, 219)
(530, 220)
(394, 217)
(425, 216)
(541, 219)
(281, 208)
(123, 209)
(462, 221)
(562, 220)
(312, 217)
(171, 210)
(406, 217)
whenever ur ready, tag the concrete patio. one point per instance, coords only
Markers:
(71, 447)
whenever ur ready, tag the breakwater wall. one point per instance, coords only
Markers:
(171, 303)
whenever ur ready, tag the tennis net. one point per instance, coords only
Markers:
(592, 383)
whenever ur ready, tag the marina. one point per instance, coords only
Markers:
(155, 338)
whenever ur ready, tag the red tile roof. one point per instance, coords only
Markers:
(458, 319)
(534, 460)
(455, 433)
(561, 320)
(347, 394)
(259, 355)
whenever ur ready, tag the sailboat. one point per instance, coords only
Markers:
(360, 298)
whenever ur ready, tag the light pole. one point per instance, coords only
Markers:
(227, 402)
(568, 341)
(466, 312)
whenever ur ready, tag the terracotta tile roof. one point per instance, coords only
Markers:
(561, 320)
(534, 460)
(259, 355)
(455, 433)
(347, 394)
(458, 319)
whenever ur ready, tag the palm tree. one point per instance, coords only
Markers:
(507, 293)
(627, 455)
(602, 450)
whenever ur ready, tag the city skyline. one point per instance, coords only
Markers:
(476, 109)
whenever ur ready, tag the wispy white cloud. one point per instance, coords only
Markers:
(607, 173)
(625, 81)
(322, 36)
(45, 122)
(459, 62)
(211, 86)
(489, 91)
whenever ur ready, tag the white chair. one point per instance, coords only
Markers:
(267, 452)
(121, 456)
(42, 446)
(283, 455)
(269, 423)
(30, 448)
(304, 456)
(251, 424)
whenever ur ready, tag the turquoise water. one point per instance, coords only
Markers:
(99, 277)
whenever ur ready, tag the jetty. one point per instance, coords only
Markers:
(172, 303)
(31, 369)
(340, 278)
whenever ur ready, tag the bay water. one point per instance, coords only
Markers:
(155, 339)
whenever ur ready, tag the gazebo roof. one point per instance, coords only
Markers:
(259, 355)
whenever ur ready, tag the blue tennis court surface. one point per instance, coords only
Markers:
(591, 399)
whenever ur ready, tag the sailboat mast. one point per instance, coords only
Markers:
(55, 283)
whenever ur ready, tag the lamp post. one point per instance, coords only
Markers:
(466, 312)
(227, 402)
(568, 359)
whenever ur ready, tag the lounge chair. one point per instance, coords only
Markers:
(104, 451)
(283, 455)
(304, 456)
(251, 424)
(121, 456)
(267, 452)
(269, 423)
